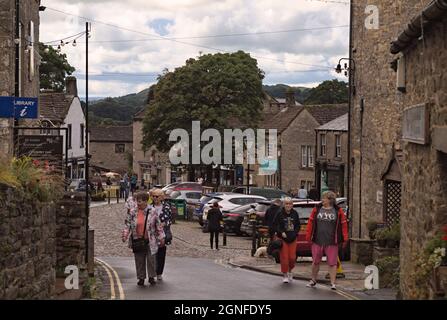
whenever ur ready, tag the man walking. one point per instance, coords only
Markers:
(302, 193)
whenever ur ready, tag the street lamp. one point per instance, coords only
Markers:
(348, 71)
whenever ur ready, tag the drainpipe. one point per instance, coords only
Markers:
(362, 104)
(349, 117)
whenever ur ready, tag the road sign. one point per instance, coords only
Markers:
(18, 107)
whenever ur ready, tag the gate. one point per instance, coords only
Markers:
(392, 202)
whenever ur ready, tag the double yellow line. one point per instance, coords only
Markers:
(346, 295)
(113, 277)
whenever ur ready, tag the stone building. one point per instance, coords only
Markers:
(18, 41)
(151, 165)
(332, 156)
(111, 148)
(296, 143)
(398, 123)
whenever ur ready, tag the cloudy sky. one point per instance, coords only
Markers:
(295, 41)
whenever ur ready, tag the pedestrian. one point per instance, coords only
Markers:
(287, 227)
(163, 211)
(126, 183)
(144, 230)
(302, 193)
(270, 216)
(215, 220)
(143, 186)
(108, 181)
(327, 228)
(133, 183)
(313, 193)
(99, 186)
(122, 189)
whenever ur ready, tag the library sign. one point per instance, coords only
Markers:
(18, 107)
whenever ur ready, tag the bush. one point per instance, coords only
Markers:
(389, 269)
(371, 225)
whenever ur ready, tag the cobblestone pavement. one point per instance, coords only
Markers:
(189, 240)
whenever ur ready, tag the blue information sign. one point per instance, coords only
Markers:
(18, 108)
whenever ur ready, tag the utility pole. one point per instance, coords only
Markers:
(87, 169)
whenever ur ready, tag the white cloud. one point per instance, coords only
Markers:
(195, 18)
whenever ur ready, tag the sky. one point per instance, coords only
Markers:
(296, 42)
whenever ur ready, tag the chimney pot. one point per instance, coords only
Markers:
(71, 86)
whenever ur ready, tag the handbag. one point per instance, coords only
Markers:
(141, 244)
(168, 235)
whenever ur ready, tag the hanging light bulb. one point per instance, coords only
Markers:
(46, 50)
(62, 43)
(74, 43)
(58, 48)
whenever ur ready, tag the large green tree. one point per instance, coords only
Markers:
(220, 90)
(328, 92)
(53, 68)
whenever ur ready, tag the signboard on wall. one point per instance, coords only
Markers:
(45, 149)
(415, 124)
(18, 108)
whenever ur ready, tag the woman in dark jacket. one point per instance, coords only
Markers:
(214, 221)
(287, 227)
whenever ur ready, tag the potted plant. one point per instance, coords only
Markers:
(381, 236)
(372, 225)
(393, 236)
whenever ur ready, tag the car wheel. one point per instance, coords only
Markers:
(201, 221)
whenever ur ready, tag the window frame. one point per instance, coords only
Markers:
(69, 136)
(337, 146)
(323, 149)
(120, 144)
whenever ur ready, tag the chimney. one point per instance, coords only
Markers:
(290, 97)
(71, 87)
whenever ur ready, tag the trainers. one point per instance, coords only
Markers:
(290, 276)
(333, 287)
(159, 277)
(140, 282)
(151, 281)
(286, 279)
(311, 284)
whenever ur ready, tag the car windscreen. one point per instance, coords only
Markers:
(193, 195)
(205, 199)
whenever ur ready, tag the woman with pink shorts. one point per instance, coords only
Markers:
(327, 228)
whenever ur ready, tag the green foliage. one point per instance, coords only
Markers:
(213, 89)
(53, 68)
(371, 225)
(328, 92)
(389, 269)
(29, 177)
(394, 232)
(381, 234)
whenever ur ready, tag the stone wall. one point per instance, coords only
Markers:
(27, 247)
(37, 242)
(424, 171)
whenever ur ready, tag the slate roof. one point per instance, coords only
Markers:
(282, 119)
(327, 112)
(111, 134)
(338, 124)
(54, 105)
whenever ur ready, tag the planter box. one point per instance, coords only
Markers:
(362, 251)
(379, 252)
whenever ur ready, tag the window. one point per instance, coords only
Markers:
(304, 158)
(338, 146)
(322, 144)
(307, 156)
(310, 155)
(69, 136)
(119, 148)
(82, 135)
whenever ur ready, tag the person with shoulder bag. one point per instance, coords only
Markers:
(163, 210)
(144, 231)
(288, 225)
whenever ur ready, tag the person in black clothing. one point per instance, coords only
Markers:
(313, 193)
(214, 220)
(270, 216)
(287, 227)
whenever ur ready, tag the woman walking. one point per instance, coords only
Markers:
(327, 228)
(145, 233)
(288, 225)
(214, 221)
(163, 210)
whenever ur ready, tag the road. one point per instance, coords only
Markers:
(198, 278)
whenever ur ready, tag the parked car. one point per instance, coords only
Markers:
(268, 193)
(198, 211)
(228, 201)
(192, 186)
(233, 218)
(260, 209)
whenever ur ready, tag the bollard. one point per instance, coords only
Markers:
(224, 236)
(253, 242)
(91, 253)
(108, 195)
(117, 196)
